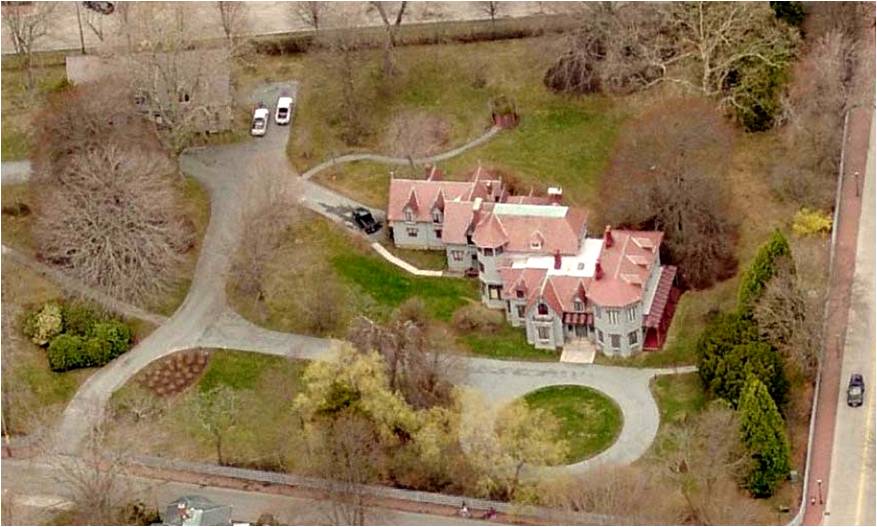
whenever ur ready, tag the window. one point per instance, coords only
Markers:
(457, 255)
(631, 313)
(469, 239)
(497, 251)
(436, 216)
(543, 308)
(522, 311)
(577, 305)
(412, 232)
(633, 338)
(494, 292)
(600, 336)
(488, 252)
(438, 233)
(597, 311)
(409, 216)
(183, 96)
(616, 340)
(481, 267)
(613, 316)
(542, 332)
(536, 245)
(519, 293)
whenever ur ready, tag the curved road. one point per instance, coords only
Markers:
(204, 319)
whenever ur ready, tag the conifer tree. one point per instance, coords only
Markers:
(763, 434)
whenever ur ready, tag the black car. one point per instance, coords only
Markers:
(365, 221)
(104, 8)
(856, 390)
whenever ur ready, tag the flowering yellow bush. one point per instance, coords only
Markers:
(808, 222)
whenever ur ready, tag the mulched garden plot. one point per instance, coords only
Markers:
(173, 374)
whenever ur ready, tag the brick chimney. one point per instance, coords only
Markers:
(557, 259)
(607, 237)
(598, 271)
(555, 194)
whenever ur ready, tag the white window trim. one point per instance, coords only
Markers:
(547, 330)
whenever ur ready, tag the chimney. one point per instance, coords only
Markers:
(557, 259)
(598, 271)
(555, 194)
(607, 237)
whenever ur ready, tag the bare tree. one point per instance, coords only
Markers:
(109, 214)
(27, 24)
(94, 480)
(492, 10)
(270, 208)
(789, 320)
(338, 53)
(231, 16)
(311, 13)
(666, 174)
(391, 29)
(217, 411)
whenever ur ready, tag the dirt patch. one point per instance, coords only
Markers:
(417, 134)
(173, 374)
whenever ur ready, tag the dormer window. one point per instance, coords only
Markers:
(578, 305)
(436, 216)
(536, 245)
(543, 308)
(519, 293)
(409, 215)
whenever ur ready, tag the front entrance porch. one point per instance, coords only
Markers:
(578, 351)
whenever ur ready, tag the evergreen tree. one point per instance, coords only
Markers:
(763, 434)
(761, 270)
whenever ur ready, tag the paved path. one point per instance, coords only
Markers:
(851, 495)
(204, 319)
(388, 160)
(15, 172)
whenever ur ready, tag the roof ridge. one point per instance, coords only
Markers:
(623, 254)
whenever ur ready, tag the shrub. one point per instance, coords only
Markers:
(78, 318)
(763, 434)
(729, 350)
(66, 352)
(809, 222)
(115, 333)
(97, 352)
(44, 325)
(790, 12)
(475, 317)
(414, 310)
(761, 270)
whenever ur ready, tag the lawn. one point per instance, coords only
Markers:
(679, 397)
(561, 140)
(265, 435)
(508, 343)
(431, 260)
(364, 181)
(589, 420)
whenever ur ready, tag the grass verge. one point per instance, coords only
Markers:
(589, 420)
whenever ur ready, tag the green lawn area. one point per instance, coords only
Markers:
(266, 434)
(590, 421)
(432, 260)
(508, 343)
(364, 181)
(679, 397)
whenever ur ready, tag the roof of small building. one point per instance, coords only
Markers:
(211, 67)
(422, 195)
(202, 511)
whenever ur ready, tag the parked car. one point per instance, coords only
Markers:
(365, 221)
(104, 8)
(856, 390)
(284, 110)
(260, 121)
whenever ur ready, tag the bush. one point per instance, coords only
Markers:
(729, 351)
(475, 317)
(78, 318)
(761, 270)
(809, 222)
(43, 325)
(790, 12)
(67, 352)
(414, 310)
(116, 334)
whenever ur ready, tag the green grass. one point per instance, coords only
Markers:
(237, 369)
(422, 259)
(679, 398)
(508, 343)
(589, 420)
(364, 181)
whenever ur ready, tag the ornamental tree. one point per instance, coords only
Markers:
(763, 434)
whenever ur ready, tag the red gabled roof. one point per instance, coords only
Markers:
(458, 220)
(517, 232)
(626, 267)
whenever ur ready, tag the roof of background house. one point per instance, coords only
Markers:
(212, 65)
(626, 266)
(426, 192)
(202, 512)
(517, 227)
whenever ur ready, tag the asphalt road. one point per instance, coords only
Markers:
(851, 498)
(31, 495)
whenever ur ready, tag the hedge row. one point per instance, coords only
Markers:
(77, 336)
(419, 34)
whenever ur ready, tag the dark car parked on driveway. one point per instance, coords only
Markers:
(365, 221)
(104, 8)
(856, 390)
